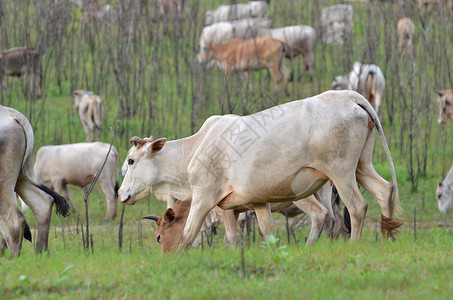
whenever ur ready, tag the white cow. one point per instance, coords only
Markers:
(17, 176)
(281, 154)
(253, 9)
(301, 40)
(368, 80)
(90, 112)
(78, 164)
(335, 24)
(444, 193)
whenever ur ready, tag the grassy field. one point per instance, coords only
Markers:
(142, 69)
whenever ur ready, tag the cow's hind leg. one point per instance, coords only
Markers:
(317, 214)
(41, 204)
(383, 191)
(354, 201)
(12, 222)
(108, 188)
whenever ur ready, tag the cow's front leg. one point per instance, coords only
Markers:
(199, 209)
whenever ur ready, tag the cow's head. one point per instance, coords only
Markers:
(340, 83)
(170, 227)
(445, 102)
(78, 94)
(143, 169)
(444, 197)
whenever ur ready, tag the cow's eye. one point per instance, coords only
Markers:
(447, 102)
(158, 238)
(130, 162)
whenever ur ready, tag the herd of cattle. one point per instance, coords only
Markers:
(232, 164)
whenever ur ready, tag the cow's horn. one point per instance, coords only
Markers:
(151, 217)
(439, 92)
(137, 140)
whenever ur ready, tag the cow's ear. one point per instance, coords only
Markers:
(439, 92)
(157, 145)
(169, 216)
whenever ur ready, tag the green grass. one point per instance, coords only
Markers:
(405, 269)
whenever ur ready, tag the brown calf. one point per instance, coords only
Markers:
(250, 55)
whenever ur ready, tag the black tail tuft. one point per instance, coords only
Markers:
(27, 233)
(347, 219)
(60, 202)
(117, 188)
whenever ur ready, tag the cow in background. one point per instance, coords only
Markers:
(301, 40)
(90, 113)
(77, 164)
(367, 80)
(19, 61)
(441, 5)
(445, 102)
(223, 32)
(444, 193)
(250, 55)
(17, 175)
(405, 30)
(253, 9)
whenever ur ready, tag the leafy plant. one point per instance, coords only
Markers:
(278, 253)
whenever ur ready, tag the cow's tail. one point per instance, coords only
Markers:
(395, 207)
(28, 166)
(98, 111)
(372, 78)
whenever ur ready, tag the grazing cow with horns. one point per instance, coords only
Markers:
(284, 153)
(16, 165)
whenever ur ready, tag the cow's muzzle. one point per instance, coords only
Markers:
(128, 201)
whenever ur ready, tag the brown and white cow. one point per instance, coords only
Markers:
(77, 164)
(171, 225)
(250, 55)
(17, 175)
(90, 113)
(301, 40)
(281, 154)
(19, 61)
(445, 103)
(405, 30)
(368, 80)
